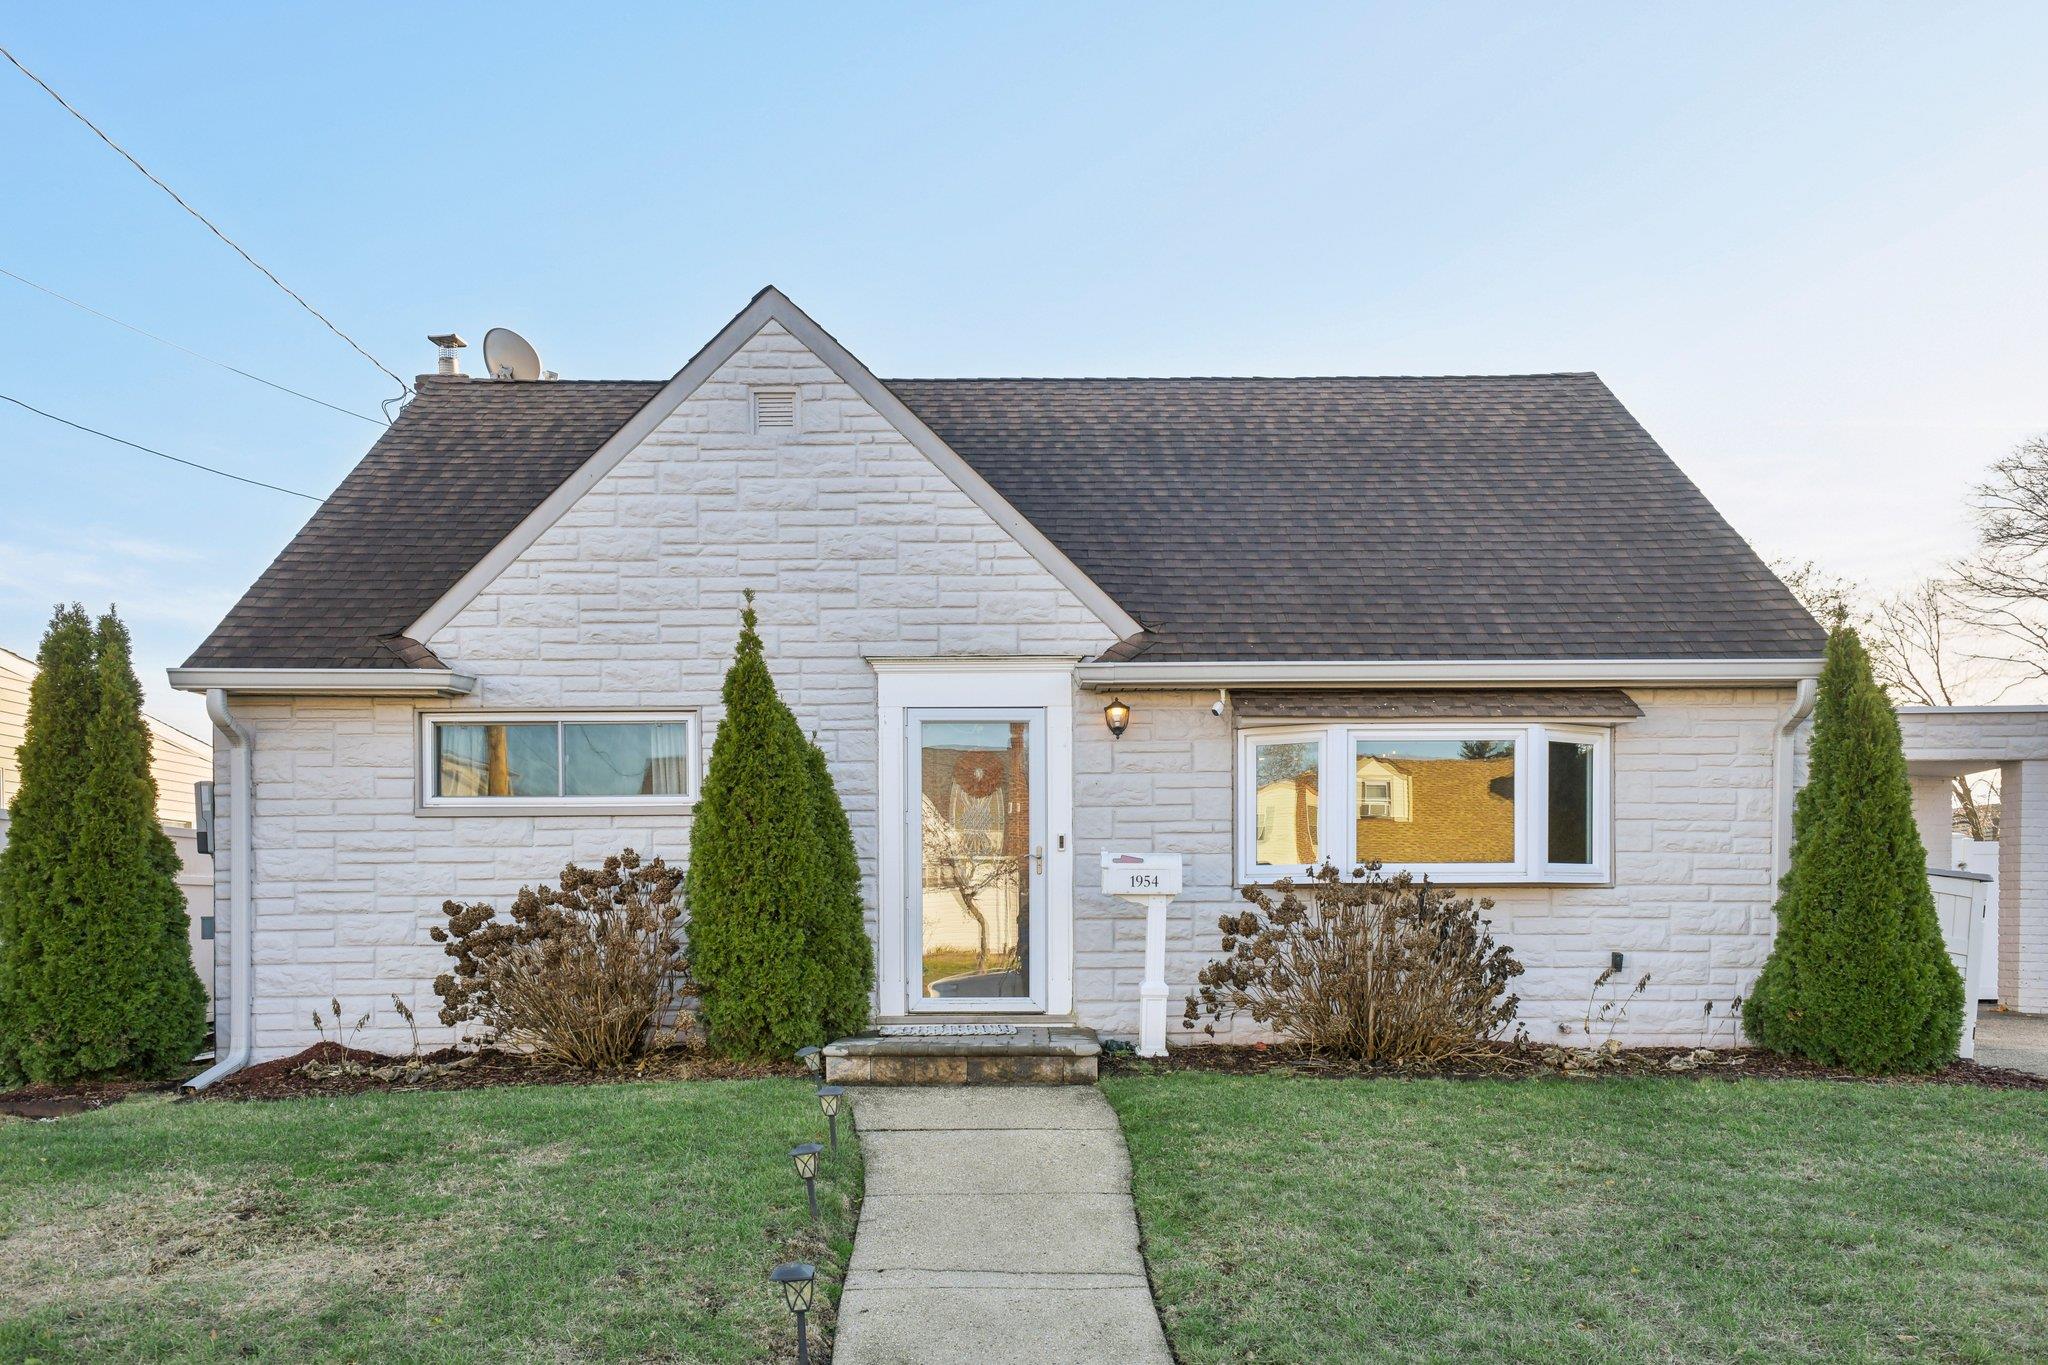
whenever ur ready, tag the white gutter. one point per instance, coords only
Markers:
(338, 682)
(241, 847)
(1781, 833)
(1441, 673)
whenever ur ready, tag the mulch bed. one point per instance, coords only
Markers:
(47, 1101)
(287, 1077)
(1529, 1062)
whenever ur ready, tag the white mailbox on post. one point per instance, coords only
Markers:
(1150, 879)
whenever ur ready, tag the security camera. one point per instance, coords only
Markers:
(1216, 707)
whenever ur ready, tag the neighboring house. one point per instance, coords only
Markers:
(1481, 625)
(177, 760)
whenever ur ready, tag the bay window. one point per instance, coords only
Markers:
(570, 761)
(1480, 803)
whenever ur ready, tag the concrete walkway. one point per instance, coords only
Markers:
(2019, 1041)
(998, 1226)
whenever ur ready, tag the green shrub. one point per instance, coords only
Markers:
(775, 939)
(1859, 976)
(848, 956)
(95, 969)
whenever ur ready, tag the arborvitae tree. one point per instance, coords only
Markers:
(1859, 975)
(37, 899)
(842, 928)
(95, 972)
(760, 875)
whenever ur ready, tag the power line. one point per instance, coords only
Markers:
(149, 450)
(176, 198)
(166, 341)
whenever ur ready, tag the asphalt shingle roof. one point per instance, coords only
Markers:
(1454, 518)
(462, 466)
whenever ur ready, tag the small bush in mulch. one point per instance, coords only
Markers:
(1383, 971)
(582, 975)
(1510, 1061)
(329, 1069)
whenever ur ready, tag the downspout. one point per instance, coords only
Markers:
(241, 844)
(1781, 834)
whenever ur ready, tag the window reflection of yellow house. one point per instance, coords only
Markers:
(1410, 810)
(1287, 815)
(1436, 810)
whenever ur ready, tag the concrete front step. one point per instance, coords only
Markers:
(1033, 1055)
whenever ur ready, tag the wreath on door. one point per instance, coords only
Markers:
(977, 774)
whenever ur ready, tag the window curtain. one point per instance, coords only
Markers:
(668, 766)
(464, 765)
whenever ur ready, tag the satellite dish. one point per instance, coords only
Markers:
(508, 355)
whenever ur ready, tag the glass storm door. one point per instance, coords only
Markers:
(976, 886)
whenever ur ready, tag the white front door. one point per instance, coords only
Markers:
(976, 863)
(975, 876)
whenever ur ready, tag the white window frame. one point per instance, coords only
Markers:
(429, 802)
(1249, 868)
(1337, 801)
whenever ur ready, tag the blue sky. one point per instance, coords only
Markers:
(1803, 242)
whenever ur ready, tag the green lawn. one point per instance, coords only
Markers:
(616, 1222)
(1300, 1219)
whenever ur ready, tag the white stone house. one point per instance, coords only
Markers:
(498, 647)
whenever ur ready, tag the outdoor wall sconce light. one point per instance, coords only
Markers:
(813, 1060)
(805, 1158)
(828, 1100)
(798, 1281)
(1116, 715)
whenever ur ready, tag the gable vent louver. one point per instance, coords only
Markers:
(774, 409)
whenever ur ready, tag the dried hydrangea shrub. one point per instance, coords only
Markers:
(1388, 971)
(589, 973)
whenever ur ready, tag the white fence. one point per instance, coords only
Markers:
(1962, 902)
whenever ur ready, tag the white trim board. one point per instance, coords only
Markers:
(401, 682)
(2018, 709)
(770, 305)
(1441, 673)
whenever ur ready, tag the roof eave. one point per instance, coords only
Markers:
(1440, 672)
(326, 682)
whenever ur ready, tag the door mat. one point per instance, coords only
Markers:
(947, 1030)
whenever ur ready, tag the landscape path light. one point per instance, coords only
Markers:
(805, 1158)
(798, 1281)
(829, 1099)
(812, 1058)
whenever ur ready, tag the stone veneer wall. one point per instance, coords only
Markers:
(350, 877)
(1691, 903)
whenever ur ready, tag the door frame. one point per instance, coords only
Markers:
(905, 685)
(1040, 838)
